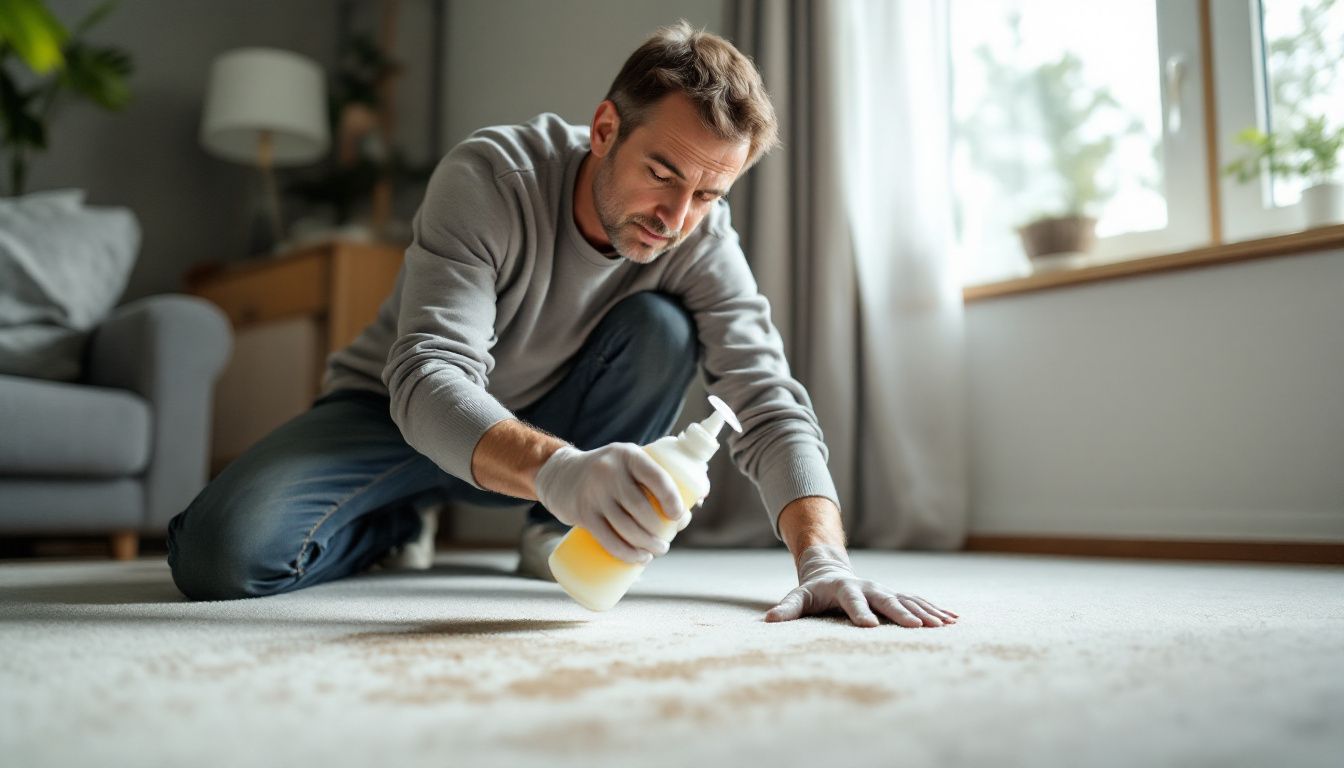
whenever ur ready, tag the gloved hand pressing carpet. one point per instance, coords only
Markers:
(826, 580)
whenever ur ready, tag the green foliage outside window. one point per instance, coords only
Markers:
(1052, 104)
(1311, 152)
(1303, 65)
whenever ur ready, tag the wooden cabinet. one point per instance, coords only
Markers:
(288, 313)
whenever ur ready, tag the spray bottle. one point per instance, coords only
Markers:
(596, 578)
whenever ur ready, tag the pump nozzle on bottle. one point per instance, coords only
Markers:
(722, 413)
(700, 438)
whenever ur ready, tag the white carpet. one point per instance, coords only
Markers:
(1054, 662)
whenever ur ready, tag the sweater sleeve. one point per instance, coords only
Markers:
(438, 366)
(781, 447)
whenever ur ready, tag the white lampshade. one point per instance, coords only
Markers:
(266, 89)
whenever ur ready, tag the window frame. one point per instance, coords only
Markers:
(1238, 53)
(1184, 161)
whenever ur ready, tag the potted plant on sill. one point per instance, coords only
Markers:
(1076, 161)
(1044, 132)
(1311, 152)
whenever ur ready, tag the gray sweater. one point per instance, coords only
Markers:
(499, 290)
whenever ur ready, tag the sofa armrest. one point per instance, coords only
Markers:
(169, 349)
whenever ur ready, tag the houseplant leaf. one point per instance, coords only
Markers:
(99, 74)
(33, 33)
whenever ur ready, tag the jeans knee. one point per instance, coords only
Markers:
(662, 336)
(214, 562)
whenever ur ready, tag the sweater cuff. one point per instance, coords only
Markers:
(800, 471)
(466, 421)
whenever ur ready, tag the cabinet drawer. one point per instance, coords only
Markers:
(269, 291)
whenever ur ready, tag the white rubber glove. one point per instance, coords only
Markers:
(599, 490)
(826, 580)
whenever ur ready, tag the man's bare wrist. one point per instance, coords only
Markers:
(811, 520)
(508, 456)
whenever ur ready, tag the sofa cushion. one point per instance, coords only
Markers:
(57, 505)
(55, 428)
(62, 266)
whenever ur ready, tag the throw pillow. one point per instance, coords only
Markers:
(63, 266)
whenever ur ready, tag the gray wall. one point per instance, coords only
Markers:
(193, 207)
(1203, 404)
(505, 61)
(509, 60)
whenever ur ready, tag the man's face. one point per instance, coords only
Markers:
(652, 189)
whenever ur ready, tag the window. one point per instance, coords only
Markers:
(1276, 64)
(1061, 107)
(1098, 107)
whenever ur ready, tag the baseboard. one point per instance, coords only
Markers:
(1164, 549)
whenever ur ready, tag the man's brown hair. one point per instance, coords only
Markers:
(721, 81)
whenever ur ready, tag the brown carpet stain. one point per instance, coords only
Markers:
(533, 647)
(771, 694)
(571, 736)
(461, 641)
(561, 682)
(887, 646)
(796, 689)
(1004, 652)
(432, 689)
(568, 682)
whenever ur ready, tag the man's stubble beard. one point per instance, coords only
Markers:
(608, 206)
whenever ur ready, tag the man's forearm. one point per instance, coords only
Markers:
(508, 456)
(811, 520)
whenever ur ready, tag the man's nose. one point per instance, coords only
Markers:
(673, 211)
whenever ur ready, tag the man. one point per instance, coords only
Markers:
(561, 286)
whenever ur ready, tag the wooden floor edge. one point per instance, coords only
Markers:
(1310, 552)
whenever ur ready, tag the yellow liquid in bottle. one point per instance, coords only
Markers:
(594, 577)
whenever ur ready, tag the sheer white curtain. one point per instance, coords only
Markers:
(894, 88)
(848, 230)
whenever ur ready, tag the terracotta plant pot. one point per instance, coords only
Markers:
(1057, 235)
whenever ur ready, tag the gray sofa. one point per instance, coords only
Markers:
(126, 448)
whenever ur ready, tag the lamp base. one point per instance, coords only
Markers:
(261, 239)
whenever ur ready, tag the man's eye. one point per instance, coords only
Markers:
(656, 176)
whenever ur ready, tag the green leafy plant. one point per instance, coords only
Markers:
(1075, 159)
(57, 60)
(1310, 152)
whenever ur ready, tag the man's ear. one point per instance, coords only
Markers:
(605, 128)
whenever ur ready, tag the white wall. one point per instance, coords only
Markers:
(1204, 404)
(509, 60)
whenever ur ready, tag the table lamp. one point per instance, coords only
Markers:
(266, 106)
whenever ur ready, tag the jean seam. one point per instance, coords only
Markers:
(308, 539)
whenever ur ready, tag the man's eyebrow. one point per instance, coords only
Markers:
(657, 158)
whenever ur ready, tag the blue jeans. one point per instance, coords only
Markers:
(329, 492)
